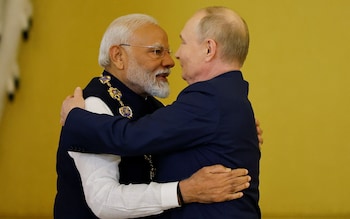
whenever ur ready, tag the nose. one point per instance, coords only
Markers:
(168, 61)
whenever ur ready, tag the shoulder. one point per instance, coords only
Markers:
(96, 105)
(94, 88)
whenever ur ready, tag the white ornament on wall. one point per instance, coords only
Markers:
(15, 23)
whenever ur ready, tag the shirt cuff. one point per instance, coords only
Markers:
(169, 194)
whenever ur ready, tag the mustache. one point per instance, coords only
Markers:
(165, 72)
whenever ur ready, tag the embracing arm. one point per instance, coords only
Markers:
(109, 199)
(165, 130)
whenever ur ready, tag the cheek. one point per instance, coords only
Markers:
(149, 65)
(183, 52)
(185, 66)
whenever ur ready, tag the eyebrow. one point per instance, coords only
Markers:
(159, 45)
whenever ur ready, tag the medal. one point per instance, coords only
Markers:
(125, 111)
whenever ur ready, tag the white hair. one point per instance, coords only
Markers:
(121, 31)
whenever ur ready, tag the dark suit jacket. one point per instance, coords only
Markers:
(211, 122)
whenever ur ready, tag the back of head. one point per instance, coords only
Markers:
(228, 29)
(121, 31)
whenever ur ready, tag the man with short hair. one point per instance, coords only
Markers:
(135, 54)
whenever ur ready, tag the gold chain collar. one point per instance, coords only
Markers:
(115, 93)
(125, 111)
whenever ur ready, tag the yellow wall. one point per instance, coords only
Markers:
(298, 69)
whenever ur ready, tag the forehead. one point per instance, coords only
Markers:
(150, 34)
(189, 29)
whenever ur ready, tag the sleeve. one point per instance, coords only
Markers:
(106, 196)
(191, 120)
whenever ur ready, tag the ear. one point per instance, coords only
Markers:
(211, 49)
(117, 56)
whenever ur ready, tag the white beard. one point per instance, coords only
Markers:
(147, 80)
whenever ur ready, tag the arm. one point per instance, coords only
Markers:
(162, 131)
(112, 135)
(109, 199)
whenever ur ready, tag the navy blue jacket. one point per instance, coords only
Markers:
(211, 122)
(70, 201)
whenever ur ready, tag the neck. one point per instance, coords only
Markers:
(214, 69)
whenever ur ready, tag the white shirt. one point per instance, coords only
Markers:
(106, 197)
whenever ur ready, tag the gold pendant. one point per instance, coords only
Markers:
(125, 111)
(115, 93)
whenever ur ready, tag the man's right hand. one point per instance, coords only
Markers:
(214, 184)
